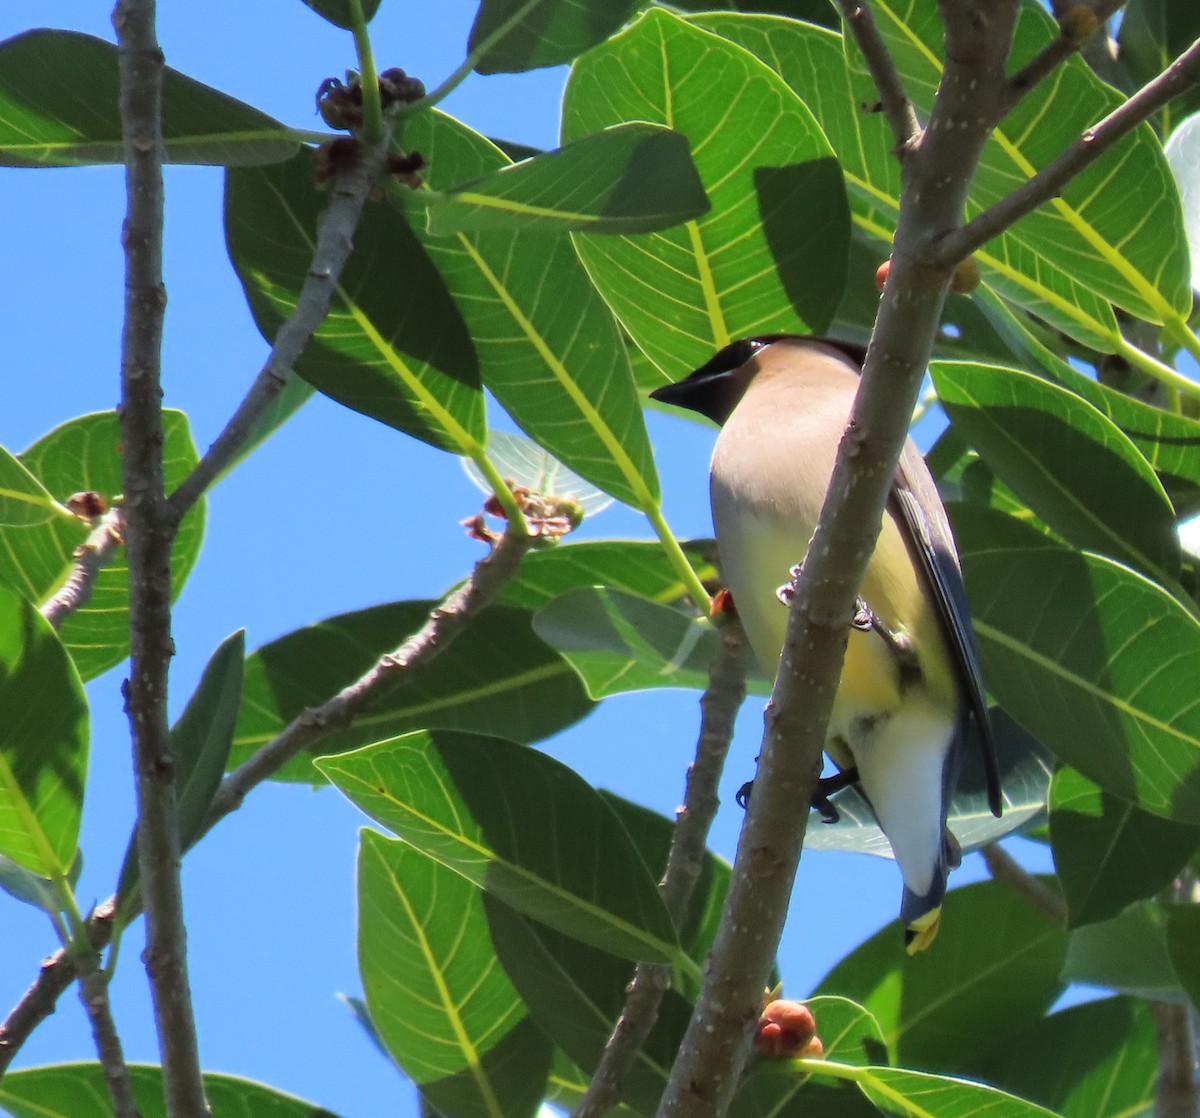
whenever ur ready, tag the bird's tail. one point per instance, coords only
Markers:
(921, 914)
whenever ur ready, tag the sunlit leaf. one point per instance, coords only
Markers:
(79, 1091)
(631, 178)
(993, 970)
(60, 107)
(748, 266)
(1183, 154)
(442, 1006)
(564, 378)
(43, 742)
(85, 454)
(339, 11)
(520, 825)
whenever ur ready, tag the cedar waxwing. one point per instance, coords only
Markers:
(911, 685)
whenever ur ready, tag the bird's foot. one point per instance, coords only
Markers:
(826, 787)
(787, 591)
(898, 643)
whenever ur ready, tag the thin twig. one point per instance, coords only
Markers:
(1085, 150)
(1005, 869)
(1055, 52)
(898, 109)
(91, 557)
(444, 624)
(148, 538)
(306, 731)
(685, 861)
(936, 176)
(93, 992)
(335, 240)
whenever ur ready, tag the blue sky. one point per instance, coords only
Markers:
(270, 895)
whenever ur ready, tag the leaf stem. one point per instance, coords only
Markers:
(1157, 369)
(677, 558)
(372, 129)
(468, 64)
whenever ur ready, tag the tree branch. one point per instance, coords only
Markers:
(93, 992)
(1175, 1091)
(91, 557)
(1058, 50)
(335, 241)
(1086, 149)
(1005, 869)
(901, 116)
(935, 179)
(719, 706)
(304, 732)
(148, 538)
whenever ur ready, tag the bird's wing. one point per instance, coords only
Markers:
(915, 497)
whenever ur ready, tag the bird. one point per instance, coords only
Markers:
(911, 690)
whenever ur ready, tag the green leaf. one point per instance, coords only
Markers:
(631, 178)
(619, 642)
(85, 454)
(1152, 34)
(565, 379)
(651, 834)
(1094, 661)
(509, 36)
(43, 742)
(1068, 259)
(1127, 953)
(79, 1091)
(1183, 154)
(498, 677)
(992, 971)
(1183, 946)
(823, 12)
(576, 992)
(60, 107)
(1167, 441)
(916, 1094)
(850, 1035)
(1107, 853)
(24, 501)
(635, 566)
(1065, 461)
(1024, 781)
(394, 345)
(29, 888)
(1097, 1060)
(747, 267)
(339, 11)
(441, 1005)
(200, 742)
(518, 824)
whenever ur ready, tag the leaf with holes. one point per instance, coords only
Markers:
(59, 107)
(747, 267)
(518, 824)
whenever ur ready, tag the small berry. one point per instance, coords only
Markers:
(966, 276)
(881, 273)
(1079, 24)
(786, 1029)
